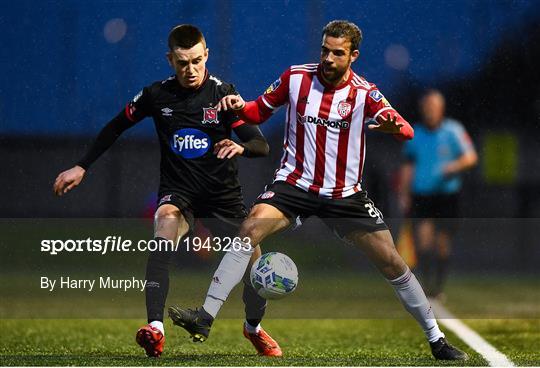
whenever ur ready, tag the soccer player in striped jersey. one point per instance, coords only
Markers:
(320, 174)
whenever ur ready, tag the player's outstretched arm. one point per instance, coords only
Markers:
(394, 124)
(253, 112)
(231, 102)
(69, 179)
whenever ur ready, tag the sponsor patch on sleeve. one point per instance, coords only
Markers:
(376, 95)
(273, 86)
(385, 102)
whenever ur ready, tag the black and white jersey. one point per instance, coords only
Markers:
(188, 125)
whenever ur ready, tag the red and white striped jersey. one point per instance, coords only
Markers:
(324, 144)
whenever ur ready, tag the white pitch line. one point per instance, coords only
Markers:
(494, 357)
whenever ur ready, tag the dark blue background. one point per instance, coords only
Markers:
(60, 76)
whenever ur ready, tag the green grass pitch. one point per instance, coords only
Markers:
(349, 321)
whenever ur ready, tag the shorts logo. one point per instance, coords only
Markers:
(267, 195)
(376, 95)
(273, 86)
(344, 109)
(166, 111)
(210, 115)
(190, 143)
(166, 198)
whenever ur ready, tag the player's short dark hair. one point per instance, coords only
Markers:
(431, 92)
(346, 29)
(185, 36)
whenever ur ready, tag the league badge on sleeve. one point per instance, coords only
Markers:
(376, 95)
(273, 86)
(210, 115)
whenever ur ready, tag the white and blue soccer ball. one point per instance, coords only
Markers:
(274, 275)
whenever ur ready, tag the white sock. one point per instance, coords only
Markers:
(159, 326)
(252, 329)
(412, 296)
(228, 274)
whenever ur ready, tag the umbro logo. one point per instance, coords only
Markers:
(166, 111)
(303, 100)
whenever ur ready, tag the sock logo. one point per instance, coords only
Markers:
(190, 143)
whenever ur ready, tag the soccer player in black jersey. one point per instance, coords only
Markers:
(198, 172)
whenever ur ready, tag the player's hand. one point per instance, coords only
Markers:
(68, 180)
(231, 102)
(227, 149)
(386, 125)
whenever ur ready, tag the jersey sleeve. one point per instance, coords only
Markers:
(409, 151)
(376, 104)
(461, 140)
(277, 94)
(230, 118)
(140, 106)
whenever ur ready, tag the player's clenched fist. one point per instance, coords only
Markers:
(233, 102)
(226, 148)
(68, 180)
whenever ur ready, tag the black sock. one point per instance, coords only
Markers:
(157, 282)
(255, 305)
(425, 269)
(441, 275)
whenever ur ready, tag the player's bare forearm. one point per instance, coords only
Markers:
(463, 163)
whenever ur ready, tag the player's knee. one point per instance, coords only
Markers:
(168, 212)
(251, 230)
(394, 267)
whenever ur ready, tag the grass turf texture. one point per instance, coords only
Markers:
(305, 343)
(518, 339)
(353, 320)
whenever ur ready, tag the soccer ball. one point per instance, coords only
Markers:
(274, 275)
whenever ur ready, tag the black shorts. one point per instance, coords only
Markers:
(343, 215)
(443, 209)
(222, 215)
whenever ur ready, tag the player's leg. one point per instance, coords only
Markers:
(380, 249)
(425, 240)
(442, 254)
(358, 221)
(262, 221)
(255, 305)
(227, 214)
(169, 225)
(447, 211)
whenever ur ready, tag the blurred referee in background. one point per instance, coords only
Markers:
(430, 185)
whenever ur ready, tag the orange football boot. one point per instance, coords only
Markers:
(264, 343)
(151, 340)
